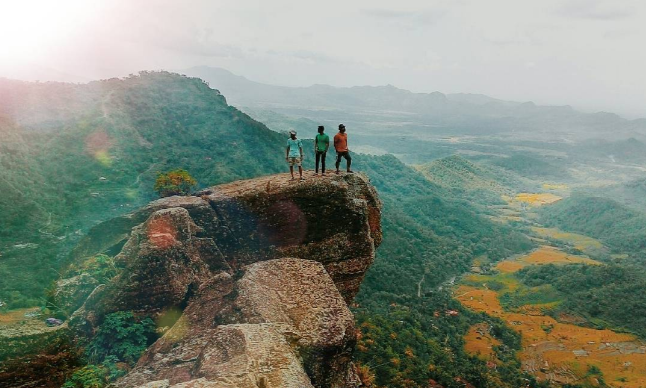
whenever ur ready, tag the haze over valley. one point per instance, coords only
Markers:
(151, 234)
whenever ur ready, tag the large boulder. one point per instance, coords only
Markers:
(256, 274)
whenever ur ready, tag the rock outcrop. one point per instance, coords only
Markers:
(261, 272)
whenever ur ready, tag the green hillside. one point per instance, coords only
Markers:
(619, 227)
(75, 155)
(608, 296)
(533, 167)
(631, 194)
(430, 235)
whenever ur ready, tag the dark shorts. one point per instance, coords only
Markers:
(345, 154)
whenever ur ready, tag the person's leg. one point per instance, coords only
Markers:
(291, 170)
(338, 161)
(323, 155)
(316, 163)
(300, 171)
(348, 159)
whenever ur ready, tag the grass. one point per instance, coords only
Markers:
(537, 199)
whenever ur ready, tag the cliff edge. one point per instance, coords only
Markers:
(258, 272)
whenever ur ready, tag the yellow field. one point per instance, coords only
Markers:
(579, 241)
(480, 343)
(509, 266)
(555, 186)
(15, 316)
(537, 199)
(559, 352)
(543, 255)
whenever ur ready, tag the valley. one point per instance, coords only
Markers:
(557, 346)
(513, 250)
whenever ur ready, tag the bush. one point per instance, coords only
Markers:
(176, 182)
(121, 336)
(90, 376)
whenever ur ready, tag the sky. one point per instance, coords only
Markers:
(585, 53)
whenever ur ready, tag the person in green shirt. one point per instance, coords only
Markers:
(321, 145)
(294, 154)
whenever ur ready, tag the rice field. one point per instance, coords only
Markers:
(537, 199)
(480, 343)
(544, 255)
(557, 351)
(578, 241)
(554, 186)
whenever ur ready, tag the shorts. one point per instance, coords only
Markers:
(294, 161)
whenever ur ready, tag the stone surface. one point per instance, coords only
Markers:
(256, 274)
(70, 293)
(300, 295)
(241, 356)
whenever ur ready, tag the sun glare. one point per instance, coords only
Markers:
(29, 29)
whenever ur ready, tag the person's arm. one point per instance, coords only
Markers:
(327, 144)
(300, 148)
(316, 140)
(287, 152)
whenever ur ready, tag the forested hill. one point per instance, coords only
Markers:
(74, 155)
(621, 228)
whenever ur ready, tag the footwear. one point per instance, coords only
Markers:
(338, 172)
(302, 179)
(323, 174)
(350, 172)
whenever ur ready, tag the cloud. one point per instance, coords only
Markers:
(423, 17)
(596, 10)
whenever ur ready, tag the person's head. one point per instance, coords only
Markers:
(341, 128)
(321, 129)
(292, 134)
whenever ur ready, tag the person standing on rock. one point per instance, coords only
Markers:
(321, 145)
(341, 147)
(294, 154)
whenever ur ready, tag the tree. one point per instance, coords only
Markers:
(176, 182)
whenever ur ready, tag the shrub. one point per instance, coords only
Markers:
(90, 376)
(121, 336)
(176, 182)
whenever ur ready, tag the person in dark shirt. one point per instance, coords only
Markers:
(341, 147)
(321, 145)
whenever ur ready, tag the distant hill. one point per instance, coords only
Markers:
(533, 167)
(415, 112)
(632, 194)
(455, 171)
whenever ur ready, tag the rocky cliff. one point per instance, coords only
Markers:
(258, 272)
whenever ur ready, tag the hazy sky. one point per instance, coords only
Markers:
(586, 53)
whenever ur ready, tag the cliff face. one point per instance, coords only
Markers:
(261, 270)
